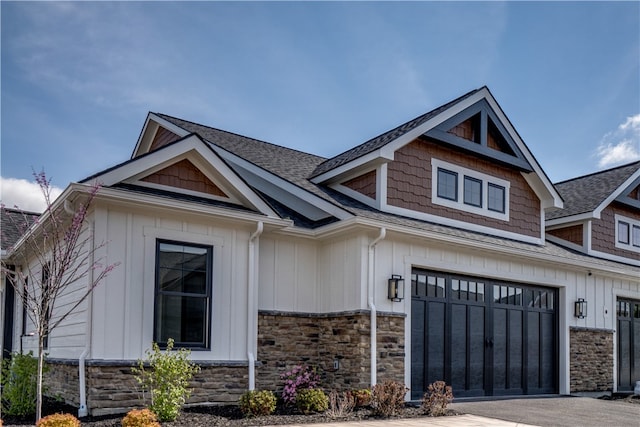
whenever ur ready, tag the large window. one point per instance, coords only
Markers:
(627, 233)
(468, 190)
(183, 294)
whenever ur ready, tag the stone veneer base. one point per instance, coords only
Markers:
(284, 340)
(591, 359)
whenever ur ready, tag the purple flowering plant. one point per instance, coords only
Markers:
(299, 378)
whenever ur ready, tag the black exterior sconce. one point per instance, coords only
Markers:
(581, 308)
(395, 292)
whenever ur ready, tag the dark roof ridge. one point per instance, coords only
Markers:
(383, 138)
(21, 211)
(598, 172)
(238, 135)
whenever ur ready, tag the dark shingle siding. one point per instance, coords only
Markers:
(584, 194)
(14, 223)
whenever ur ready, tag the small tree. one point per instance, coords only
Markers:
(56, 251)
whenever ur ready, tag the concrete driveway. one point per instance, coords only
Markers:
(557, 411)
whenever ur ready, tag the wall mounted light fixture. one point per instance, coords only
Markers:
(580, 308)
(395, 292)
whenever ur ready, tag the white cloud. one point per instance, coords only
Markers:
(622, 145)
(25, 195)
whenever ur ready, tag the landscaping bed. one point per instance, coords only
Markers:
(228, 415)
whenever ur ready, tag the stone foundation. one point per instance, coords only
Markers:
(284, 341)
(289, 339)
(591, 359)
(112, 388)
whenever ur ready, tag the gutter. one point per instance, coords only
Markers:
(252, 312)
(372, 306)
(82, 382)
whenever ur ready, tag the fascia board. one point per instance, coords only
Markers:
(335, 174)
(124, 197)
(573, 218)
(614, 195)
(625, 271)
(285, 185)
(616, 258)
(160, 121)
(165, 154)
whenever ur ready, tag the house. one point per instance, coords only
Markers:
(419, 255)
(13, 224)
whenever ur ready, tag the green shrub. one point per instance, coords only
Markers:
(166, 379)
(311, 400)
(140, 418)
(436, 399)
(19, 384)
(58, 420)
(256, 403)
(362, 397)
(387, 399)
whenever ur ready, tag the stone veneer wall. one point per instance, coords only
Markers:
(288, 339)
(284, 340)
(112, 388)
(591, 354)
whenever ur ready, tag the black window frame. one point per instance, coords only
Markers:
(205, 343)
(628, 241)
(504, 197)
(464, 190)
(635, 229)
(455, 176)
(25, 307)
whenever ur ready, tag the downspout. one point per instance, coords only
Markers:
(252, 312)
(372, 306)
(82, 409)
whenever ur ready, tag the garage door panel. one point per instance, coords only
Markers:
(483, 337)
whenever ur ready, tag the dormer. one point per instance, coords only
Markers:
(461, 165)
(601, 215)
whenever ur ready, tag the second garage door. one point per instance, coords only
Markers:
(483, 337)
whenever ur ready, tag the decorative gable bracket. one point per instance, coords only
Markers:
(477, 129)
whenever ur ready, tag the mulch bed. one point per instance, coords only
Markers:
(205, 416)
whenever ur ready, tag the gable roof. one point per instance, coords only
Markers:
(589, 194)
(383, 139)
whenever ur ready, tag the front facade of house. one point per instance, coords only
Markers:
(259, 258)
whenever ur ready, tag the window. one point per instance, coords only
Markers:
(447, 184)
(46, 286)
(627, 233)
(472, 191)
(183, 294)
(468, 190)
(623, 232)
(25, 308)
(495, 194)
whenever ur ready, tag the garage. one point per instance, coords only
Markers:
(482, 336)
(628, 314)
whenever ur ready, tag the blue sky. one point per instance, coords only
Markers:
(79, 78)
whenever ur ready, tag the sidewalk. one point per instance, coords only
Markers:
(450, 421)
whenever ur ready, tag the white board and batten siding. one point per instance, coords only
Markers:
(123, 306)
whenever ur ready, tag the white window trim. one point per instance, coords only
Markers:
(632, 223)
(459, 204)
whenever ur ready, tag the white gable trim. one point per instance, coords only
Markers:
(614, 195)
(149, 131)
(151, 162)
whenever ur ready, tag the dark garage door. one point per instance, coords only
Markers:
(628, 312)
(482, 337)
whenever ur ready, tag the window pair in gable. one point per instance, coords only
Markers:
(627, 233)
(464, 189)
(183, 294)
